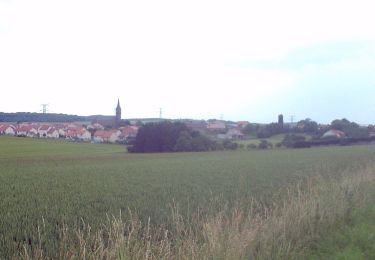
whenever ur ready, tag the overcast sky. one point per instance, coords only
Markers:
(242, 60)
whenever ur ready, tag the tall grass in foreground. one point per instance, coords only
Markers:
(286, 229)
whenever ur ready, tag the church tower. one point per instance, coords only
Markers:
(118, 113)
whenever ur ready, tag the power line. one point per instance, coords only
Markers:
(44, 108)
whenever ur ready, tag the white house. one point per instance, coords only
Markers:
(334, 133)
(234, 134)
(62, 129)
(53, 133)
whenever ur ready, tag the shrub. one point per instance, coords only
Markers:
(291, 140)
(264, 144)
(251, 146)
(229, 145)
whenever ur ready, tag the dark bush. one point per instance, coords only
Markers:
(264, 144)
(302, 144)
(229, 145)
(279, 145)
(290, 140)
(251, 146)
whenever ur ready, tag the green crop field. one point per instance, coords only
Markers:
(274, 140)
(54, 182)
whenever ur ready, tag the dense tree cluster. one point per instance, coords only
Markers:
(307, 126)
(264, 131)
(171, 137)
(351, 129)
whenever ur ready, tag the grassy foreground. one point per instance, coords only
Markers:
(59, 199)
(353, 241)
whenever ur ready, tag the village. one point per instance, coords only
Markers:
(113, 129)
(98, 133)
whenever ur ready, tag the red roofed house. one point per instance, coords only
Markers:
(61, 129)
(200, 126)
(27, 130)
(78, 134)
(2, 129)
(106, 136)
(128, 132)
(43, 130)
(6, 129)
(95, 126)
(217, 127)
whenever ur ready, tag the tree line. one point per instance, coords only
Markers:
(20, 117)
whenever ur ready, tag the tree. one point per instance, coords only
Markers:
(158, 137)
(342, 124)
(307, 126)
(264, 144)
(183, 143)
(202, 143)
(250, 129)
(270, 130)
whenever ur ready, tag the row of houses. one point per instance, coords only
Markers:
(96, 132)
(70, 131)
(221, 129)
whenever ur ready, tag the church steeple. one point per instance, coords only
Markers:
(118, 113)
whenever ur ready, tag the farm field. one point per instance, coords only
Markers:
(55, 182)
(274, 140)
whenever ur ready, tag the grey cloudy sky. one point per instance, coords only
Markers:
(245, 60)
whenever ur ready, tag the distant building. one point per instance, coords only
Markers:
(106, 136)
(234, 134)
(129, 131)
(27, 130)
(200, 126)
(6, 129)
(53, 133)
(216, 126)
(95, 126)
(78, 134)
(334, 133)
(242, 124)
(43, 130)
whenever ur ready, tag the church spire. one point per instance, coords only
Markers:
(118, 113)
